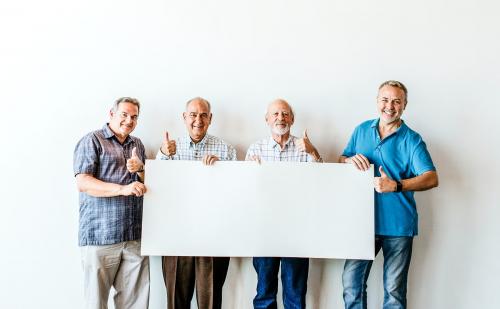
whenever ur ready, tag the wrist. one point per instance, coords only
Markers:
(399, 186)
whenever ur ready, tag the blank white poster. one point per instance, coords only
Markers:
(287, 209)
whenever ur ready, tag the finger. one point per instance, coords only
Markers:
(355, 160)
(134, 152)
(382, 173)
(166, 136)
(305, 134)
(205, 159)
(363, 161)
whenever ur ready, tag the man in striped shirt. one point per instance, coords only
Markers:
(281, 146)
(181, 273)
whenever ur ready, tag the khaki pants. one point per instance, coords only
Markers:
(182, 273)
(120, 266)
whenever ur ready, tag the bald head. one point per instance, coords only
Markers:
(279, 117)
(280, 104)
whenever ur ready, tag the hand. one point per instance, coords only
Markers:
(359, 161)
(255, 158)
(134, 164)
(135, 188)
(210, 159)
(384, 183)
(304, 144)
(168, 146)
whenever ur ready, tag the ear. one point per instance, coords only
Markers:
(111, 113)
(184, 115)
(210, 118)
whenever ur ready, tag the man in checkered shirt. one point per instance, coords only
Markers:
(181, 272)
(281, 146)
(109, 170)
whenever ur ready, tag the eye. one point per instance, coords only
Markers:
(134, 118)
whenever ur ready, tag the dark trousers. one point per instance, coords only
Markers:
(182, 273)
(294, 272)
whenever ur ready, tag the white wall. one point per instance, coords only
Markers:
(62, 63)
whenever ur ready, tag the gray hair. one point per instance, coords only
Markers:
(199, 99)
(130, 100)
(397, 84)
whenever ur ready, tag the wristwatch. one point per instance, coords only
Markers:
(399, 186)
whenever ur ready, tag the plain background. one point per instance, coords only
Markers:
(63, 63)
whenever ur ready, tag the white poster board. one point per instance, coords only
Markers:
(320, 210)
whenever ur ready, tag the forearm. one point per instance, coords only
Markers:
(92, 186)
(426, 181)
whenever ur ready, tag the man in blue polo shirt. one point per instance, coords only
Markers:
(402, 165)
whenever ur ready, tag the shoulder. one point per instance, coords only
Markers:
(411, 135)
(260, 143)
(214, 140)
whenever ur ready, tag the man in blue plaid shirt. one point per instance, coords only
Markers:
(182, 273)
(281, 146)
(109, 170)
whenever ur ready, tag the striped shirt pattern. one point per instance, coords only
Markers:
(108, 220)
(186, 149)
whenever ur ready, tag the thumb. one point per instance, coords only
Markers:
(382, 173)
(166, 136)
(134, 152)
(305, 134)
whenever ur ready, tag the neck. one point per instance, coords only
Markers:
(386, 129)
(196, 140)
(281, 139)
(120, 137)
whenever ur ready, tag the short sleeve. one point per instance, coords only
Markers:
(86, 155)
(421, 159)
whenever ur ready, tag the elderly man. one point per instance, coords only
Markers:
(281, 146)
(402, 165)
(108, 165)
(182, 273)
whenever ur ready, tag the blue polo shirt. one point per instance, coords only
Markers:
(402, 155)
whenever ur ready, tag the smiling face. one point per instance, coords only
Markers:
(197, 118)
(123, 120)
(391, 102)
(279, 117)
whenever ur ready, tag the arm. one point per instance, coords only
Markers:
(92, 186)
(422, 182)
(425, 181)
(304, 144)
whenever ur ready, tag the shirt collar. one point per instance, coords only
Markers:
(108, 133)
(274, 144)
(401, 128)
(200, 143)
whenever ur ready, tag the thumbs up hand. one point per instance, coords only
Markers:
(383, 183)
(304, 144)
(134, 164)
(168, 147)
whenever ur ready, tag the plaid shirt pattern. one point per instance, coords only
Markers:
(186, 149)
(269, 150)
(108, 220)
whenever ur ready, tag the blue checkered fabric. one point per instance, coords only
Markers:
(108, 220)
(269, 150)
(186, 149)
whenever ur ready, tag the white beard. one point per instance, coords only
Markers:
(280, 131)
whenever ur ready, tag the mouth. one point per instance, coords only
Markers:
(389, 112)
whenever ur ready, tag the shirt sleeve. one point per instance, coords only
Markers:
(86, 156)
(231, 153)
(421, 159)
(250, 152)
(350, 149)
(161, 156)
